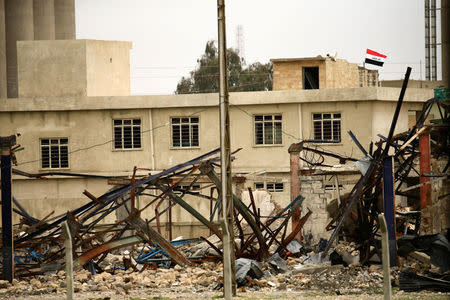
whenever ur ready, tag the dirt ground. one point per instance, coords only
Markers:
(152, 294)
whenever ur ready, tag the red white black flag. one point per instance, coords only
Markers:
(374, 58)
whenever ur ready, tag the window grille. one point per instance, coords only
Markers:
(259, 185)
(185, 132)
(327, 126)
(331, 187)
(268, 129)
(195, 189)
(54, 153)
(271, 186)
(127, 133)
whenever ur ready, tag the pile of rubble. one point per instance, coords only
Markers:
(205, 277)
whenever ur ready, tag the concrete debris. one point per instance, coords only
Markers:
(294, 247)
(435, 246)
(313, 269)
(247, 268)
(200, 278)
(278, 264)
(314, 259)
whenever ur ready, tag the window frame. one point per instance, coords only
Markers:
(41, 158)
(272, 189)
(172, 147)
(333, 118)
(195, 189)
(304, 77)
(263, 121)
(132, 134)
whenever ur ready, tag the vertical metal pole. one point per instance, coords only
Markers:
(69, 259)
(170, 220)
(294, 154)
(387, 288)
(229, 267)
(389, 205)
(7, 229)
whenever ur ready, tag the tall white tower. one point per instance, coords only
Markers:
(240, 41)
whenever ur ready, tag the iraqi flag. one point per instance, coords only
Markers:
(374, 58)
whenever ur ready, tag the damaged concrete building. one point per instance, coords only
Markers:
(82, 120)
(330, 157)
(70, 101)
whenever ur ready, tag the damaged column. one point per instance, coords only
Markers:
(294, 154)
(425, 190)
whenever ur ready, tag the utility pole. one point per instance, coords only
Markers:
(6, 143)
(229, 267)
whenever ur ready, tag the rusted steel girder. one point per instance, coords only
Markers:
(296, 230)
(93, 253)
(208, 170)
(150, 235)
(189, 208)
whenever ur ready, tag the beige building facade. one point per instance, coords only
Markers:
(86, 126)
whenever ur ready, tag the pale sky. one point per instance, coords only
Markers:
(170, 35)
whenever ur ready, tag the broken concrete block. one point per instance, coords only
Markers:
(278, 264)
(294, 246)
(315, 259)
(267, 273)
(351, 258)
(247, 267)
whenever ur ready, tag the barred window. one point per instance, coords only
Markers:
(185, 132)
(270, 186)
(331, 187)
(127, 133)
(195, 189)
(268, 129)
(327, 126)
(259, 185)
(54, 153)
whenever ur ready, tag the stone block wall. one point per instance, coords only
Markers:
(316, 199)
(341, 74)
(436, 217)
(319, 191)
(368, 78)
(289, 75)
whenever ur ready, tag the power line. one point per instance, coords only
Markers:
(206, 76)
(168, 124)
(216, 66)
(110, 141)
